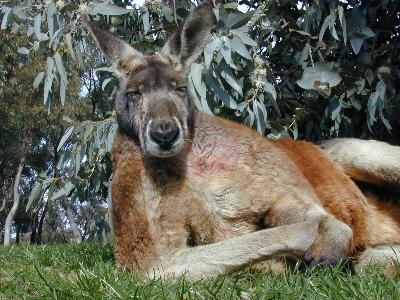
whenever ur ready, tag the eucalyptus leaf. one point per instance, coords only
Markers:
(214, 46)
(226, 50)
(367, 32)
(269, 88)
(88, 130)
(324, 26)
(242, 34)
(30, 31)
(193, 92)
(108, 9)
(217, 88)
(6, 17)
(228, 76)
(47, 88)
(35, 195)
(37, 25)
(343, 23)
(196, 74)
(60, 67)
(49, 79)
(239, 19)
(271, 91)
(333, 78)
(63, 90)
(64, 191)
(36, 46)
(23, 51)
(42, 37)
(260, 116)
(335, 108)
(65, 137)
(250, 118)
(110, 136)
(38, 80)
(372, 105)
(239, 47)
(146, 21)
(356, 43)
(51, 19)
(68, 39)
(319, 73)
(310, 75)
(369, 75)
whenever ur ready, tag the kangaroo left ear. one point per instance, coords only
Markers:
(115, 49)
(187, 43)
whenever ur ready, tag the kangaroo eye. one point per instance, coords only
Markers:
(131, 95)
(181, 89)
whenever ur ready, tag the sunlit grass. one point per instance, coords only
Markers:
(87, 271)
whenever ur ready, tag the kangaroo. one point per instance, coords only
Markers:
(198, 195)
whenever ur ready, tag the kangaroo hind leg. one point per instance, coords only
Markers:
(366, 160)
(385, 256)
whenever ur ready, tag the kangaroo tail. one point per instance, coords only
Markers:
(367, 161)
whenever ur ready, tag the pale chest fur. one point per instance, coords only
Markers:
(216, 191)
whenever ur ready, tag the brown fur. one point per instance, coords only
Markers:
(337, 193)
(217, 196)
(134, 249)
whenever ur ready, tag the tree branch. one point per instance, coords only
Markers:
(11, 214)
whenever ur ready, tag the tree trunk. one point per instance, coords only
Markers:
(40, 226)
(17, 236)
(35, 221)
(11, 214)
(72, 223)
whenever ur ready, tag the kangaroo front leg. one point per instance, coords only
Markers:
(334, 239)
(238, 252)
(333, 242)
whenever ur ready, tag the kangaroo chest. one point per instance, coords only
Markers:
(205, 197)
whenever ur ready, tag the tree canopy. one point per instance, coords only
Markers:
(310, 69)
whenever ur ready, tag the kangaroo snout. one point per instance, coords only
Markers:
(164, 132)
(164, 137)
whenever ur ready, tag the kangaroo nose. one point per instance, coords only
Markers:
(164, 132)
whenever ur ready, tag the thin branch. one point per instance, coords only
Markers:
(11, 214)
(309, 50)
(176, 20)
(3, 205)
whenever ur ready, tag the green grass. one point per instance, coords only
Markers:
(87, 271)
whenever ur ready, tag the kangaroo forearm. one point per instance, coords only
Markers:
(238, 252)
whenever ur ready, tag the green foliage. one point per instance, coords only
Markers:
(27, 129)
(311, 69)
(87, 271)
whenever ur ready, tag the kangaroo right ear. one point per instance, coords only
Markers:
(115, 49)
(187, 43)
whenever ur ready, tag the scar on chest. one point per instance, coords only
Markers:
(205, 166)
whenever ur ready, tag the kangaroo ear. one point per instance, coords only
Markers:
(117, 51)
(187, 43)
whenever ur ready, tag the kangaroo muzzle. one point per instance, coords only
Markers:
(164, 132)
(164, 137)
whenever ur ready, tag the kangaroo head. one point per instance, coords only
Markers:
(153, 105)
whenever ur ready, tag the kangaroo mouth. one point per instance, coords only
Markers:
(164, 141)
